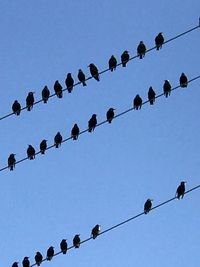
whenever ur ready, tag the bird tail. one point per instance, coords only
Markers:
(59, 95)
(42, 152)
(64, 252)
(57, 145)
(84, 83)
(151, 102)
(90, 130)
(109, 121)
(140, 56)
(17, 113)
(123, 64)
(11, 168)
(157, 48)
(29, 108)
(45, 101)
(97, 77)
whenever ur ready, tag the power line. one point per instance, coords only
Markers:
(101, 123)
(106, 70)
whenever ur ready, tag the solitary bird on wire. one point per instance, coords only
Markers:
(151, 95)
(63, 246)
(58, 89)
(43, 146)
(16, 108)
(26, 262)
(76, 241)
(57, 140)
(110, 115)
(30, 101)
(137, 102)
(15, 264)
(147, 205)
(180, 190)
(50, 253)
(38, 258)
(167, 88)
(112, 63)
(94, 72)
(75, 132)
(30, 152)
(95, 231)
(141, 49)
(69, 81)
(125, 58)
(183, 80)
(92, 123)
(159, 41)
(11, 162)
(45, 94)
(81, 77)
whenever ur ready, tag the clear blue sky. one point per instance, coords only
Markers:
(104, 177)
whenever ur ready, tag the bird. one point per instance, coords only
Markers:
(38, 258)
(43, 146)
(69, 81)
(30, 152)
(180, 190)
(95, 231)
(167, 88)
(58, 89)
(151, 95)
(159, 40)
(63, 246)
(26, 262)
(183, 80)
(92, 123)
(11, 162)
(16, 108)
(137, 102)
(57, 140)
(147, 205)
(141, 50)
(75, 132)
(76, 241)
(50, 253)
(30, 101)
(94, 72)
(125, 58)
(112, 63)
(81, 77)
(45, 94)
(15, 264)
(110, 115)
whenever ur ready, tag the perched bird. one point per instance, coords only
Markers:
(38, 258)
(69, 81)
(94, 71)
(81, 77)
(180, 190)
(63, 246)
(147, 205)
(110, 115)
(45, 94)
(125, 58)
(16, 108)
(159, 40)
(92, 123)
(11, 162)
(167, 88)
(30, 152)
(95, 231)
(58, 89)
(15, 264)
(76, 241)
(26, 262)
(43, 146)
(57, 140)
(183, 80)
(141, 49)
(137, 102)
(30, 101)
(151, 95)
(75, 132)
(112, 63)
(50, 253)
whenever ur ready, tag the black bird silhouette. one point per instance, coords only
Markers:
(30, 152)
(43, 146)
(92, 123)
(141, 49)
(38, 258)
(58, 89)
(110, 115)
(94, 72)
(147, 205)
(112, 63)
(15, 264)
(75, 132)
(26, 262)
(16, 108)
(63, 246)
(125, 58)
(167, 88)
(69, 81)
(180, 190)
(81, 77)
(183, 80)
(151, 95)
(11, 162)
(50, 253)
(159, 40)
(76, 241)
(137, 102)
(57, 140)
(45, 94)
(30, 101)
(95, 231)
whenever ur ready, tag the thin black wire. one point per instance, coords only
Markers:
(101, 123)
(125, 221)
(103, 71)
